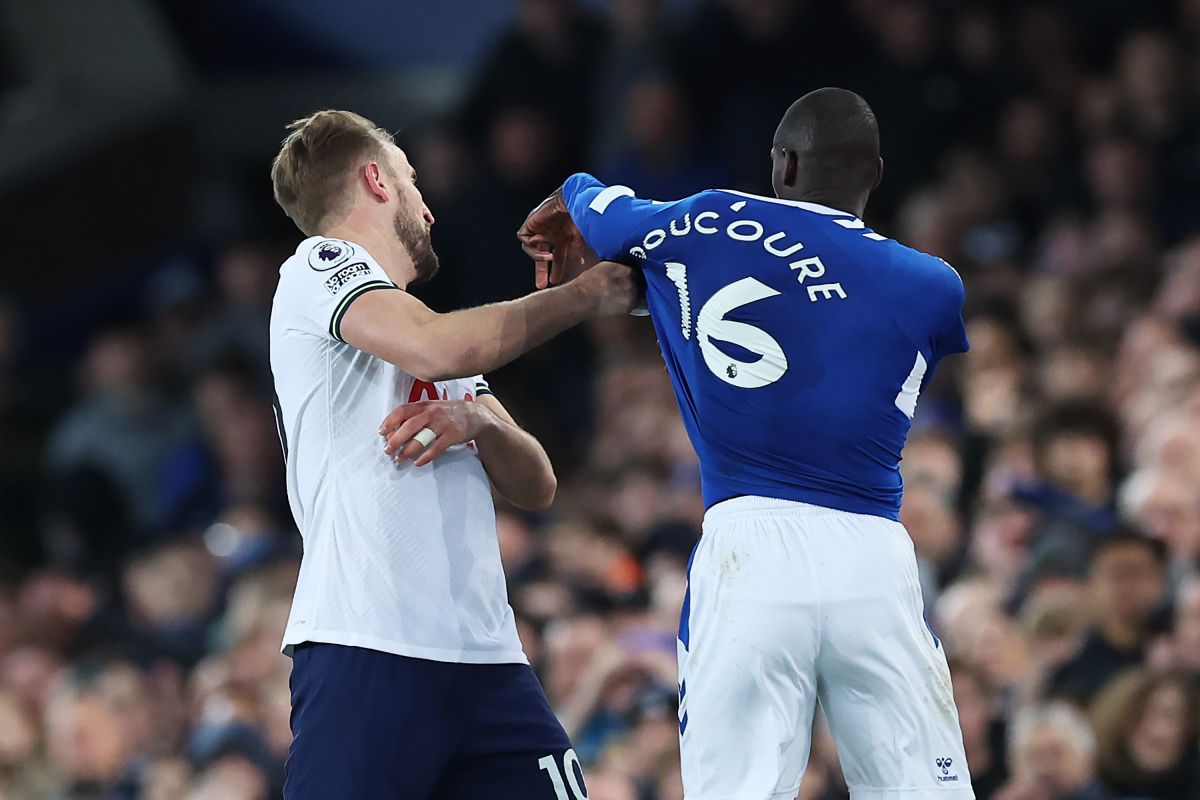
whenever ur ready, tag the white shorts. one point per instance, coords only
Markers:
(789, 605)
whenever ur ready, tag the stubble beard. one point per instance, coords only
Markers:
(415, 238)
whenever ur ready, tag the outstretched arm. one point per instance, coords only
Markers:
(400, 329)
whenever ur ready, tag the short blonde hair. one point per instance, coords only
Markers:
(312, 171)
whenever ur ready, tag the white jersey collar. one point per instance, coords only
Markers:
(816, 208)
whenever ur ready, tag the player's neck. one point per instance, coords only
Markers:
(838, 202)
(382, 243)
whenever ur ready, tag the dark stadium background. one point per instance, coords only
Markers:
(1049, 150)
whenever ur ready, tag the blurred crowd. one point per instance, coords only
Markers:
(1049, 150)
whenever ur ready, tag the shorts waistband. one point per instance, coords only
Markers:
(753, 506)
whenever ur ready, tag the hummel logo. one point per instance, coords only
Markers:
(944, 764)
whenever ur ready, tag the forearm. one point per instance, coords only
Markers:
(480, 340)
(516, 464)
(401, 330)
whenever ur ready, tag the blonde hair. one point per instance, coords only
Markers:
(312, 170)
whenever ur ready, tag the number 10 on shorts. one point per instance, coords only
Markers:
(571, 769)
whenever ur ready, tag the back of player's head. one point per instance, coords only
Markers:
(835, 141)
(312, 173)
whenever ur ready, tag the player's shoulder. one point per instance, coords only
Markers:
(321, 254)
(601, 196)
(923, 278)
(329, 262)
(322, 277)
(924, 266)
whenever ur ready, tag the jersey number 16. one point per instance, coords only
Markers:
(711, 323)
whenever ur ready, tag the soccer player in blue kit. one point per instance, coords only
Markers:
(797, 341)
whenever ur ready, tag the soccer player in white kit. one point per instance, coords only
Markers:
(797, 341)
(408, 679)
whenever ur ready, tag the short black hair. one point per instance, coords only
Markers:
(835, 137)
(1126, 537)
(1074, 418)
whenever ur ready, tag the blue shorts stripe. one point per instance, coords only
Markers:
(936, 641)
(686, 611)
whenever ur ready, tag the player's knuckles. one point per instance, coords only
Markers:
(451, 427)
(438, 418)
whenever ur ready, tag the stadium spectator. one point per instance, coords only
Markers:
(663, 155)
(1181, 646)
(1166, 506)
(123, 425)
(983, 728)
(1052, 754)
(1145, 728)
(1125, 582)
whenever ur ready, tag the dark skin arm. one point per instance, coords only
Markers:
(550, 237)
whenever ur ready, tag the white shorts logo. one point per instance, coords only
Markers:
(944, 764)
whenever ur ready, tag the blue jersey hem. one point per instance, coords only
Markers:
(813, 497)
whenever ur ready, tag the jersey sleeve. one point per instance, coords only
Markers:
(328, 279)
(951, 333)
(481, 386)
(609, 217)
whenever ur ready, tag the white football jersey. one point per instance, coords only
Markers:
(401, 559)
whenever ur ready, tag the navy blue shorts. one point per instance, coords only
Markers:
(368, 725)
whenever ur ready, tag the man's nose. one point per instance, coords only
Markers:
(429, 220)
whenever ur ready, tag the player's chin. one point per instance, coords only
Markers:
(427, 265)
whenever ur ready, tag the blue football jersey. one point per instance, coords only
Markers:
(797, 339)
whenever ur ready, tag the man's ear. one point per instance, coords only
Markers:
(878, 174)
(791, 167)
(375, 180)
